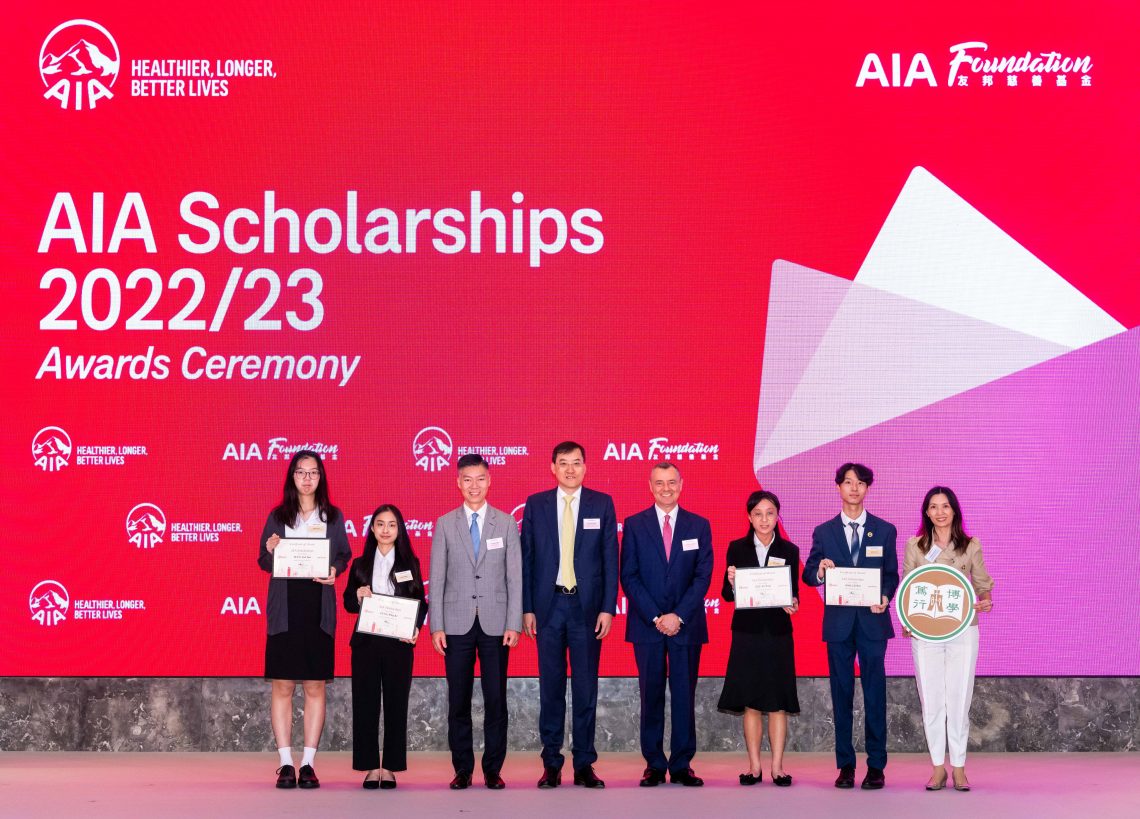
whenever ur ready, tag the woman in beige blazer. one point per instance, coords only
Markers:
(945, 671)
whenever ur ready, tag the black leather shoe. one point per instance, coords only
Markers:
(370, 784)
(846, 778)
(783, 780)
(874, 779)
(388, 784)
(462, 780)
(652, 778)
(586, 777)
(686, 777)
(307, 778)
(286, 777)
(494, 781)
(551, 778)
(749, 779)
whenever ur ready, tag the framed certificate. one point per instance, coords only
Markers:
(386, 615)
(301, 558)
(853, 587)
(767, 588)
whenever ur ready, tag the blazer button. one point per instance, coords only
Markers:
(477, 577)
(473, 597)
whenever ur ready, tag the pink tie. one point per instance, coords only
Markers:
(667, 535)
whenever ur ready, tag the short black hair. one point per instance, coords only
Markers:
(762, 495)
(862, 472)
(471, 459)
(565, 448)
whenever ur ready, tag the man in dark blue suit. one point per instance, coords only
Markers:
(666, 566)
(570, 578)
(856, 539)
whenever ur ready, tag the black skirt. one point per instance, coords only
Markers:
(304, 651)
(761, 674)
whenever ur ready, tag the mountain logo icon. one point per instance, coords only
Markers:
(51, 449)
(79, 64)
(49, 603)
(146, 526)
(432, 449)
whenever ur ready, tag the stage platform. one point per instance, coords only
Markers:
(215, 785)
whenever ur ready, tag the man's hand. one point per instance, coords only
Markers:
(602, 627)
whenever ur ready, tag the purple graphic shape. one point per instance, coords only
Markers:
(1046, 463)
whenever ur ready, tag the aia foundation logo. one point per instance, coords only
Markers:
(432, 449)
(51, 449)
(146, 526)
(79, 64)
(49, 602)
(974, 64)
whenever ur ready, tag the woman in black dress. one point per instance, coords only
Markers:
(301, 614)
(761, 674)
(382, 666)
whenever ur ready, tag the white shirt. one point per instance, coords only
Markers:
(312, 526)
(761, 549)
(481, 514)
(861, 520)
(661, 518)
(574, 504)
(382, 572)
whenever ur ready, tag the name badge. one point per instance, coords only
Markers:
(318, 528)
(403, 577)
(777, 561)
(495, 543)
(592, 523)
(933, 553)
(874, 551)
(690, 545)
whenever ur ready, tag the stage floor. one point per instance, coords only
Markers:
(127, 785)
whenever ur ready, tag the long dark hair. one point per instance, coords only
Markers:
(404, 554)
(286, 513)
(754, 501)
(958, 536)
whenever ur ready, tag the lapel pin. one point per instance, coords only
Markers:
(870, 534)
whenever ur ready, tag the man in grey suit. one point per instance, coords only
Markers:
(476, 608)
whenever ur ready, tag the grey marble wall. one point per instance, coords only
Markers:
(232, 714)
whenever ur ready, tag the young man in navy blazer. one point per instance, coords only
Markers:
(570, 580)
(857, 539)
(666, 567)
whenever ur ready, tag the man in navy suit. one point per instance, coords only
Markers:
(666, 566)
(570, 578)
(856, 539)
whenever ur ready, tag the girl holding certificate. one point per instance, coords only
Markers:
(945, 671)
(382, 665)
(761, 674)
(301, 612)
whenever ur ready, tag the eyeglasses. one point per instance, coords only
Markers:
(302, 473)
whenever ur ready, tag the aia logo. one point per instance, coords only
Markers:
(146, 526)
(51, 449)
(79, 63)
(517, 514)
(432, 449)
(49, 602)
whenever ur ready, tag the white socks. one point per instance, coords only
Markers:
(310, 754)
(286, 755)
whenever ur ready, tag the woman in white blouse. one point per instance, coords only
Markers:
(945, 671)
(382, 666)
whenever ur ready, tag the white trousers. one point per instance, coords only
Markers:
(945, 676)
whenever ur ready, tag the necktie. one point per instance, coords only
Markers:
(667, 536)
(854, 542)
(475, 533)
(569, 579)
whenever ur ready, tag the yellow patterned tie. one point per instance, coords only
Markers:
(569, 580)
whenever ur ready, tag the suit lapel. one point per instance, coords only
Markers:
(490, 529)
(840, 533)
(463, 525)
(678, 521)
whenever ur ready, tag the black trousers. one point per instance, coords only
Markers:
(459, 664)
(381, 672)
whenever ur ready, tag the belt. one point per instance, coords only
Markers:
(564, 590)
